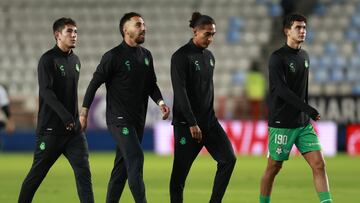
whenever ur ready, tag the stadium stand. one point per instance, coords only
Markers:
(333, 49)
(26, 30)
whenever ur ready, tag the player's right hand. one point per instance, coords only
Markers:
(196, 133)
(314, 114)
(83, 122)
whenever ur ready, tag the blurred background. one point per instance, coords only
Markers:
(247, 32)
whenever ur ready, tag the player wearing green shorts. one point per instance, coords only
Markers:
(289, 112)
(282, 140)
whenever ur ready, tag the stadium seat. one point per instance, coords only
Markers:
(321, 76)
(356, 89)
(331, 48)
(274, 10)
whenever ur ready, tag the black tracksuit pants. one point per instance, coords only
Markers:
(48, 150)
(128, 164)
(186, 150)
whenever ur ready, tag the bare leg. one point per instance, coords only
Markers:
(272, 169)
(317, 164)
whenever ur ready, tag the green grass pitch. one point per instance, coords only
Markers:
(293, 184)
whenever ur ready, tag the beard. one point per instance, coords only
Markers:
(140, 40)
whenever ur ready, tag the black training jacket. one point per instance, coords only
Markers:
(58, 75)
(288, 78)
(129, 77)
(192, 70)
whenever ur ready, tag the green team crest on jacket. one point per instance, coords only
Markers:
(42, 146)
(211, 62)
(125, 131)
(147, 62)
(183, 141)
(77, 67)
(127, 64)
(306, 64)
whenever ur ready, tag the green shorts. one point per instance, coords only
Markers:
(281, 141)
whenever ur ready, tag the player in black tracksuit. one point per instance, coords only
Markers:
(128, 73)
(58, 128)
(194, 120)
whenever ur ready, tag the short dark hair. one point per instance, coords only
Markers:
(290, 18)
(60, 23)
(197, 19)
(125, 18)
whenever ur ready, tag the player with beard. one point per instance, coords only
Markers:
(58, 127)
(194, 121)
(128, 73)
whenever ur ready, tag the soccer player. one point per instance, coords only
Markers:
(289, 112)
(58, 127)
(194, 120)
(128, 73)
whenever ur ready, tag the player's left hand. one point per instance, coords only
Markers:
(165, 110)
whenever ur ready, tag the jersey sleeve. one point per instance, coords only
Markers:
(101, 74)
(46, 79)
(179, 64)
(282, 90)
